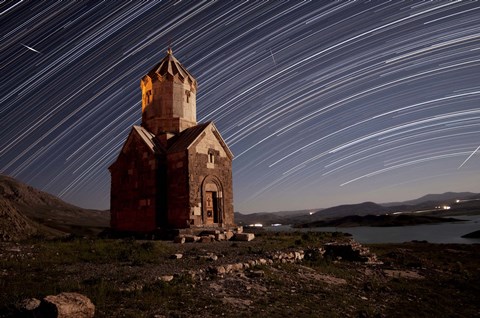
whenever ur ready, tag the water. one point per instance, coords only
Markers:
(433, 233)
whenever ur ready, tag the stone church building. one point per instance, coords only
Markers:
(171, 172)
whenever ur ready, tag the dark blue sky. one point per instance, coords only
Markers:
(322, 102)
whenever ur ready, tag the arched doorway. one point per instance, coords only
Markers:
(212, 201)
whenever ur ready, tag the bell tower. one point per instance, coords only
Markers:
(168, 97)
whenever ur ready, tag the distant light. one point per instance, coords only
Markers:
(256, 225)
(446, 207)
(276, 224)
(457, 201)
(311, 213)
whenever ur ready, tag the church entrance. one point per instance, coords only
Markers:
(211, 208)
(212, 202)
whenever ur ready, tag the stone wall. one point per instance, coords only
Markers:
(168, 104)
(133, 194)
(177, 190)
(202, 171)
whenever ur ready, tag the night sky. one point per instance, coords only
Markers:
(322, 102)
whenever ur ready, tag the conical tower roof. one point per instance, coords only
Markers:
(171, 66)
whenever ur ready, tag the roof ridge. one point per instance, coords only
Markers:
(170, 65)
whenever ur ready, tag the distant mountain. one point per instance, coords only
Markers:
(268, 218)
(364, 208)
(436, 198)
(27, 211)
(427, 202)
(378, 221)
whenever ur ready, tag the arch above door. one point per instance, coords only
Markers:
(212, 201)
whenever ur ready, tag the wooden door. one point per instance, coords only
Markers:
(209, 207)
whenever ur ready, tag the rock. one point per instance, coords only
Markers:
(220, 270)
(237, 267)
(258, 273)
(28, 304)
(166, 278)
(176, 256)
(212, 257)
(209, 232)
(179, 239)
(299, 255)
(220, 237)
(190, 238)
(351, 251)
(192, 274)
(205, 239)
(228, 235)
(244, 236)
(66, 305)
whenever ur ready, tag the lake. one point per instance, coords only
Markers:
(449, 232)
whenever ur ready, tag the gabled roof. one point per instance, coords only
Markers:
(170, 65)
(183, 140)
(189, 136)
(148, 138)
(178, 143)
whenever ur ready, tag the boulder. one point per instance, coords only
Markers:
(228, 235)
(28, 304)
(66, 305)
(209, 232)
(166, 278)
(244, 236)
(219, 270)
(205, 239)
(179, 239)
(176, 256)
(212, 257)
(220, 237)
(190, 238)
(237, 267)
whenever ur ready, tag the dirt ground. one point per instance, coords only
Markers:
(129, 278)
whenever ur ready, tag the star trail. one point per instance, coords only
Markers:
(322, 102)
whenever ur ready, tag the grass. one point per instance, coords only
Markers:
(120, 277)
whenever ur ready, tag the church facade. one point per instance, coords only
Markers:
(171, 172)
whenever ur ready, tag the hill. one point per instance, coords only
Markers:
(436, 198)
(378, 221)
(364, 208)
(268, 218)
(469, 204)
(27, 211)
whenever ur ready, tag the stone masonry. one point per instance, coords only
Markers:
(171, 172)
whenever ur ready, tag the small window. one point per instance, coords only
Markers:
(187, 94)
(211, 157)
(148, 97)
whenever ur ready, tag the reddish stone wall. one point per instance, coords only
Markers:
(177, 190)
(169, 191)
(133, 188)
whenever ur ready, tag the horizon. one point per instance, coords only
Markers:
(316, 209)
(322, 104)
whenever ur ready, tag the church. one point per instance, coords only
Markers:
(172, 172)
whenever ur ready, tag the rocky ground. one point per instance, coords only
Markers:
(274, 275)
